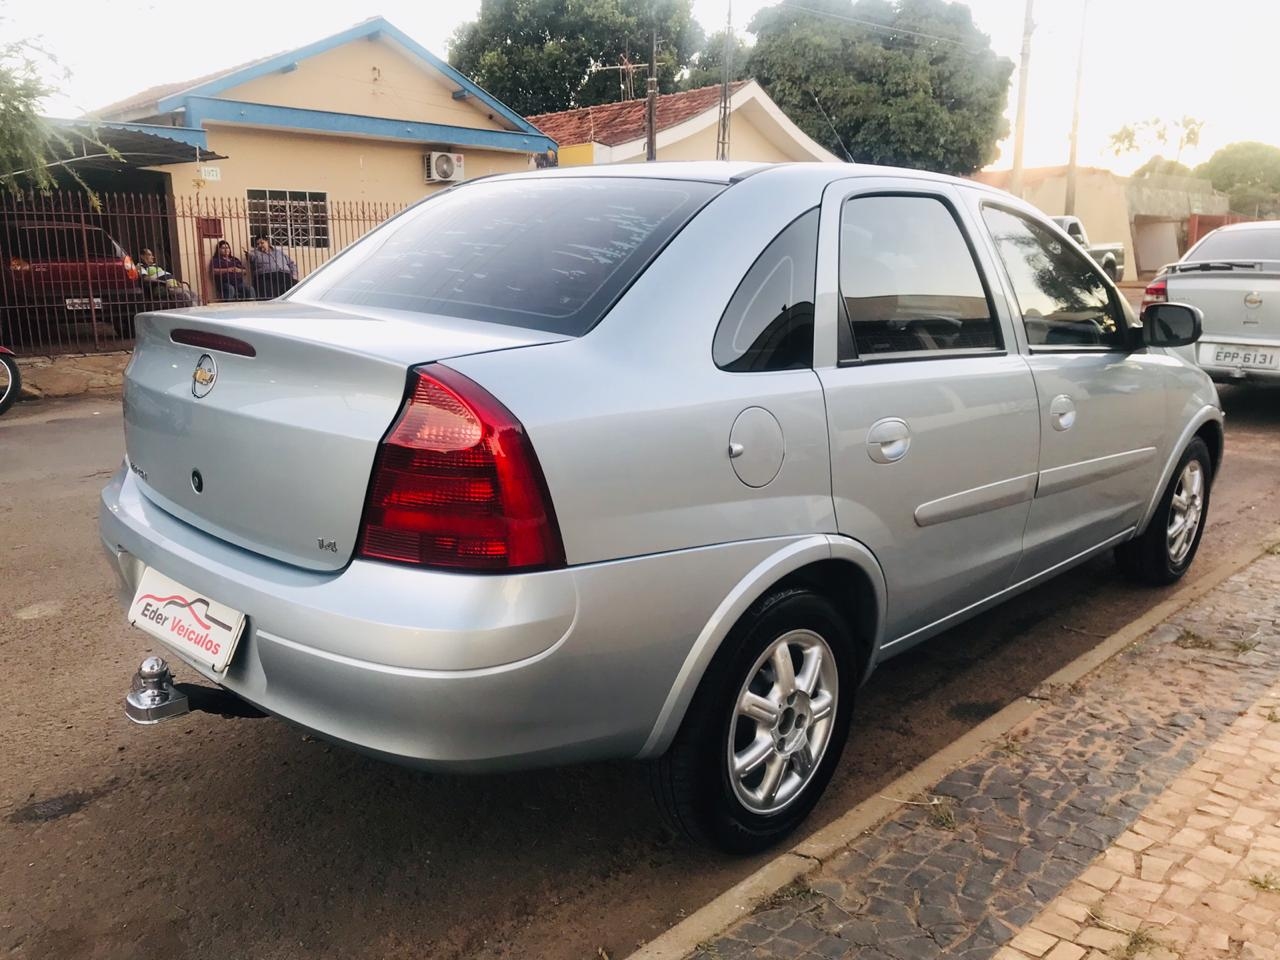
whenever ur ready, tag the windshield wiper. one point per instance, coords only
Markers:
(1207, 265)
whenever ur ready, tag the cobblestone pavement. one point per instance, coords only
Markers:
(1062, 808)
(1198, 873)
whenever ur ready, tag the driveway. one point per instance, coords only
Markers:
(244, 838)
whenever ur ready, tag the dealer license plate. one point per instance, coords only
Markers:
(197, 627)
(1240, 355)
(84, 303)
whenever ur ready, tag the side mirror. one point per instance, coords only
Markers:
(1171, 324)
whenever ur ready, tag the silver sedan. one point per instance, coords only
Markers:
(653, 461)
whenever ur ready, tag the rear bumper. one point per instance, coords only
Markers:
(1240, 374)
(445, 670)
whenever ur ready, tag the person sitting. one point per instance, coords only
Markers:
(274, 271)
(228, 275)
(159, 284)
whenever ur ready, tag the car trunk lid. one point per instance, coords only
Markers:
(1240, 300)
(273, 452)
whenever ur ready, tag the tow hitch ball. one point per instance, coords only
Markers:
(152, 696)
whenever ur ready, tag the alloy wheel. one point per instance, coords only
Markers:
(1185, 511)
(782, 723)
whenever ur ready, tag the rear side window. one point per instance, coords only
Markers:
(768, 324)
(908, 281)
(1253, 244)
(550, 254)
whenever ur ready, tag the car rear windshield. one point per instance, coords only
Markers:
(60, 243)
(549, 254)
(1254, 244)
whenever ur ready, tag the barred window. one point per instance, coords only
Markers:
(290, 218)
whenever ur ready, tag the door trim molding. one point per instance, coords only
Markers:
(968, 503)
(1072, 475)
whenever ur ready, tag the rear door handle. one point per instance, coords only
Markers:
(1062, 413)
(888, 440)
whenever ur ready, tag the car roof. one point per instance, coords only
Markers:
(727, 171)
(1251, 225)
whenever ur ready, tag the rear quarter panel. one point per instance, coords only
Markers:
(631, 422)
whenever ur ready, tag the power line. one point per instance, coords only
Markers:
(884, 27)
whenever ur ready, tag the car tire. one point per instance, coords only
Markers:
(1164, 551)
(695, 783)
(10, 382)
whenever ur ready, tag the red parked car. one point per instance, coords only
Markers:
(64, 273)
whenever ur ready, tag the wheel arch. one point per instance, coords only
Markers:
(1207, 424)
(839, 568)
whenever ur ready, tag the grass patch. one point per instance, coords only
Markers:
(1268, 883)
(1011, 744)
(1271, 716)
(941, 814)
(1139, 942)
(1274, 550)
(1190, 640)
(1243, 646)
(795, 890)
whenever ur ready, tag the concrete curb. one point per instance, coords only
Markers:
(808, 856)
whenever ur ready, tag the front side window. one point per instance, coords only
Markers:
(1063, 299)
(548, 254)
(768, 324)
(289, 218)
(908, 281)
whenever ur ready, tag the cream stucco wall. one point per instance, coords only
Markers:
(372, 78)
(746, 142)
(347, 168)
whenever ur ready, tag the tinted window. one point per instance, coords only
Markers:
(551, 254)
(768, 324)
(908, 281)
(1251, 244)
(1063, 299)
(63, 243)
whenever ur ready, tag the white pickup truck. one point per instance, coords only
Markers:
(1109, 256)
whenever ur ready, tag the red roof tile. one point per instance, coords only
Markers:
(612, 124)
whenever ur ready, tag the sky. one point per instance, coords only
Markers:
(1143, 58)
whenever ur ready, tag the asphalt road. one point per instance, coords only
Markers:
(210, 837)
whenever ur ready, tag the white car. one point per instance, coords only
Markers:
(1233, 276)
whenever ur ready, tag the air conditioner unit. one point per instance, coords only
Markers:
(443, 167)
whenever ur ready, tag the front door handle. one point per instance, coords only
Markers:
(888, 440)
(1062, 413)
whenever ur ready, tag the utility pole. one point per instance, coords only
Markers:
(1069, 207)
(1020, 124)
(722, 132)
(651, 107)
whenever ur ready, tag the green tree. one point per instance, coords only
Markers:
(708, 64)
(25, 137)
(1159, 166)
(1133, 137)
(35, 154)
(539, 56)
(909, 83)
(1249, 173)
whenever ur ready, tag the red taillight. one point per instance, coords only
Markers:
(1156, 292)
(456, 484)
(130, 270)
(18, 265)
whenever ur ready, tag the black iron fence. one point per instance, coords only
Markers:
(74, 272)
